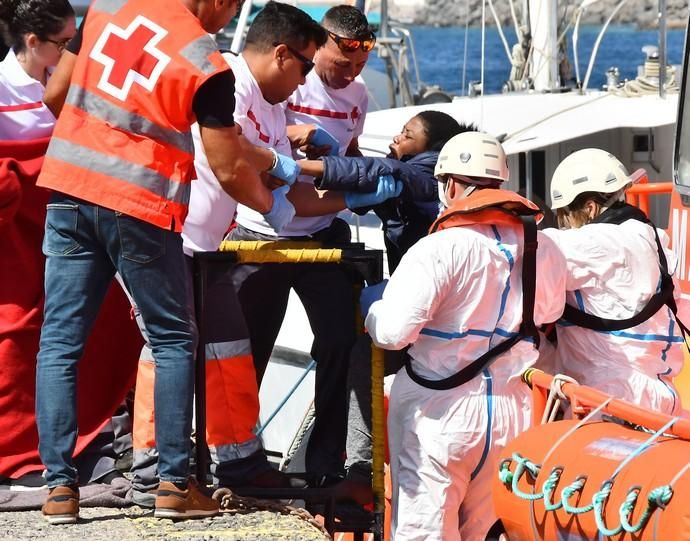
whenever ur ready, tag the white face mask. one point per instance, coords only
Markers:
(442, 186)
(442, 195)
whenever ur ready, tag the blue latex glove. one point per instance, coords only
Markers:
(387, 187)
(321, 137)
(285, 168)
(369, 296)
(282, 212)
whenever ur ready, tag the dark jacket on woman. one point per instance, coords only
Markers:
(406, 218)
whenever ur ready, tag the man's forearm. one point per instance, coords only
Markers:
(236, 172)
(310, 202)
(244, 185)
(313, 168)
(261, 158)
(58, 84)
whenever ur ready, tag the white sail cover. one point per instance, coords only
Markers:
(531, 121)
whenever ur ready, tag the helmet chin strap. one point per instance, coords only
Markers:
(442, 186)
(468, 191)
(616, 197)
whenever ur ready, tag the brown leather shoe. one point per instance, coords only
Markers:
(175, 503)
(62, 505)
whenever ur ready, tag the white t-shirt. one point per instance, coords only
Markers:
(23, 115)
(211, 210)
(339, 111)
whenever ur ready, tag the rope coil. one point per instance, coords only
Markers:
(648, 83)
(658, 498)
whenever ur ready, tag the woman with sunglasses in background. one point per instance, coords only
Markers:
(37, 32)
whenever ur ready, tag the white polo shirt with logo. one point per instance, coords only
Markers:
(211, 210)
(339, 111)
(23, 115)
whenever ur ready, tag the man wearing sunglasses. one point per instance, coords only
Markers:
(334, 97)
(326, 112)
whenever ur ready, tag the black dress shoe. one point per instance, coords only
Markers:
(354, 490)
(269, 478)
(331, 479)
(278, 479)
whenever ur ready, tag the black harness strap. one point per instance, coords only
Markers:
(527, 327)
(663, 298)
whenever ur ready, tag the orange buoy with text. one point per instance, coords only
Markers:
(597, 479)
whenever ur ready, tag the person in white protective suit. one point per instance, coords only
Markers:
(618, 268)
(457, 294)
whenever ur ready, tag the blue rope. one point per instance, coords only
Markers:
(600, 497)
(550, 488)
(569, 491)
(657, 498)
(524, 465)
(309, 367)
(599, 500)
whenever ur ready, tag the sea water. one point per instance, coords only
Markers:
(440, 54)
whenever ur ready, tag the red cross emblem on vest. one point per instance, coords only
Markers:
(129, 55)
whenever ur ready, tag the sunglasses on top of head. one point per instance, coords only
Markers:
(349, 45)
(307, 65)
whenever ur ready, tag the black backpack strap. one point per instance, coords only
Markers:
(527, 327)
(667, 283)
(663, 298)
(529, 279)
(595, 323)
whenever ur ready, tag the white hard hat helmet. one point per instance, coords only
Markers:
(475, 155)
(589, 170)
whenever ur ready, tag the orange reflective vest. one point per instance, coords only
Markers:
(123, 139)
(487, 206)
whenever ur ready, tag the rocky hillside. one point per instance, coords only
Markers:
(642, 13)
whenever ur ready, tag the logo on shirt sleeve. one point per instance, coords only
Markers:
(130, 56)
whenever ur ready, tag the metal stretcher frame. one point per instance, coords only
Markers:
(369, 265)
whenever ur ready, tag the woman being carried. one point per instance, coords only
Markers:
(412, 158)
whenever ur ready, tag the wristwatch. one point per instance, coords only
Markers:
(275, 159)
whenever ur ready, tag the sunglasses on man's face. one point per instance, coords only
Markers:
(307, 65)
(348, 45)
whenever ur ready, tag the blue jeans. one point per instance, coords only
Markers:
(84, 245)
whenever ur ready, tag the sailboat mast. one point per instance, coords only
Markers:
(543, 15)
(383, 27)
(242, 22)
(662, 48)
